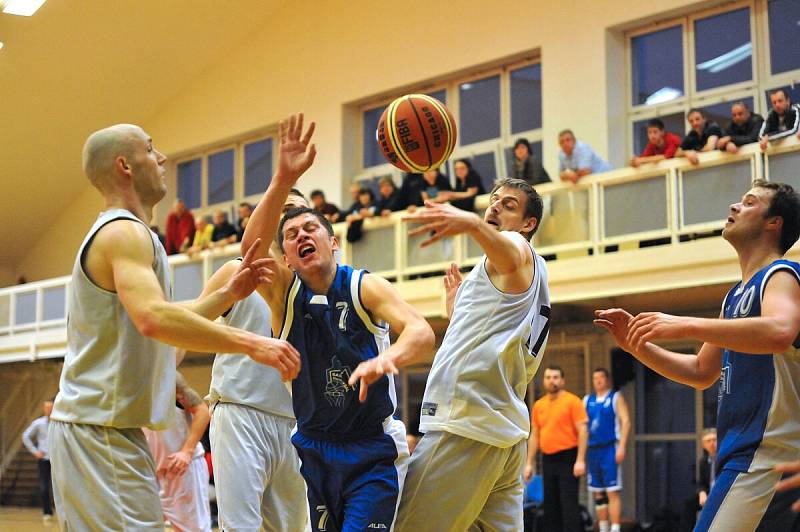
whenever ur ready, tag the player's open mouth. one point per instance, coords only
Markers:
(730, 219)
(493, 222)
(305, 250)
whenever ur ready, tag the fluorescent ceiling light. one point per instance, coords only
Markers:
(662, 95)
(728, 59)
(24, 8)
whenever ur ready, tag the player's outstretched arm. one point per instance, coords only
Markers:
(178, 462)
(506, 254)
(130, 267)
(415, 338)
(699, 371)
(295, 156)
(773, 332)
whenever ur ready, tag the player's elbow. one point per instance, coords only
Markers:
(705, 382)
(148, 321)
(783, 339)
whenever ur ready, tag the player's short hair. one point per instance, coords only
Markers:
(655, 122)
(299, 211)
(602, 370)
(534, 206)
(785, 203)
(554, 367)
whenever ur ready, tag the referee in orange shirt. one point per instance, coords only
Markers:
(558, 428)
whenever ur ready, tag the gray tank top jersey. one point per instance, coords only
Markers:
(113, 375)
(236, 378)
(489, 354)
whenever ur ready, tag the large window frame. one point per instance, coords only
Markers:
(238, 147)
(495, 146)
(762, 78)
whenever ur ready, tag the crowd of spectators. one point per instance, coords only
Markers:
(576, 159)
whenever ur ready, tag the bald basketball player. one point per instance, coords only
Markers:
(119, 371)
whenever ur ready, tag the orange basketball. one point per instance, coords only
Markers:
(416, 133)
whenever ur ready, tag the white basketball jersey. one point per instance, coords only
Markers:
(113, 375)
(236, 378)
(490, 352)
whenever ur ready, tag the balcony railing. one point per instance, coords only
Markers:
(663, 203)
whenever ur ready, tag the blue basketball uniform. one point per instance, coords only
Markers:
(603, 472)
(353, 454)
(757, 423)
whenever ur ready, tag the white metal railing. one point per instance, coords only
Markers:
(664, 202)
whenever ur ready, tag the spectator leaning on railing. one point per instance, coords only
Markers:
(328, 210)
(702, 137)
(661, 144)
(224, 232)
(577, 159)
(468, 185)
(526, 166)
(782, 121)
(202, 235)
(387, 202)
(743, 129)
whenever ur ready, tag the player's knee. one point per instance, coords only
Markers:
(600, 500)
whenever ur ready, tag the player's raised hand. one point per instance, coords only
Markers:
(295, 151)
(370, 371)
(617, 322)
(652, 326)
(442, 220)
(279, 354)
(251, 273)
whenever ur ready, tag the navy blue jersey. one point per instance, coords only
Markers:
(333, 334)
(603, 425)
(757, 423)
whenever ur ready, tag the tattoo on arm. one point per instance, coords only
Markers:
(188, 398)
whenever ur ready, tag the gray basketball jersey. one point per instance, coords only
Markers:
(489, 354)
(113, 375)
(236, 378)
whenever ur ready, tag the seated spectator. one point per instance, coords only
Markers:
(661, 144)
(202, 235)
(416, 188)
(355, 206)
(364, 206)
(328, 210)
(157, 231)
(180, 228)
(702, 137)
(703, 481)
(387, 202)
(410, 195)
(468, 185)
(245, 210)
(224, 232)
(743, 129)
(434, 183)
(363, 209)
(577, 159)
(782, 121)
(526, 166)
